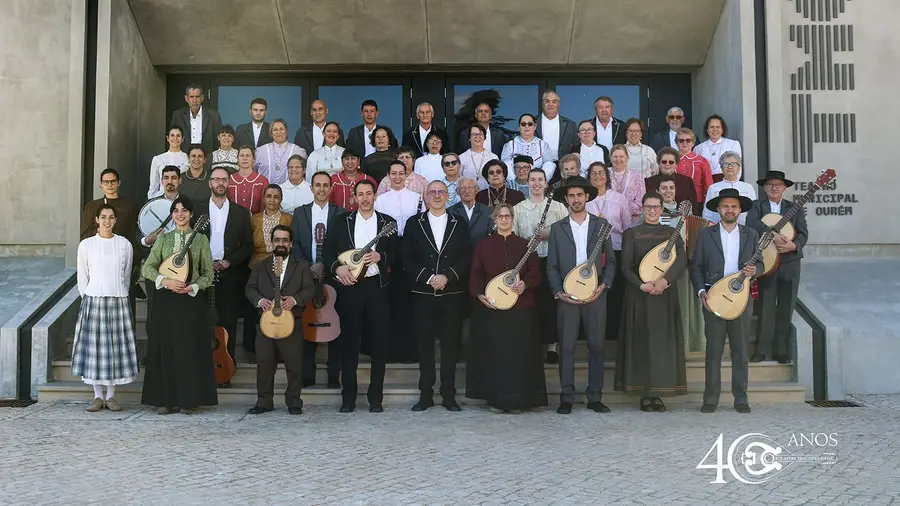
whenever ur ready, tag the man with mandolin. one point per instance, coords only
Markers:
(278, 286)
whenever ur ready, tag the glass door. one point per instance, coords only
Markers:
(344, 98)
(284, 98)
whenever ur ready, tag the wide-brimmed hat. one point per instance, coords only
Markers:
(575, 182)
(713, 203)
(775, 174)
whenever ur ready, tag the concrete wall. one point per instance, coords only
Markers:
(726, 83)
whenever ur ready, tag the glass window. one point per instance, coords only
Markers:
(284, 102)
(510, 101)
(576, 101)
(345, 102)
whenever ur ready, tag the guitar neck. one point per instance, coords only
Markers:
(597, 247)
(764, 242)
(675, 233)
(798, 204)
(532, 246)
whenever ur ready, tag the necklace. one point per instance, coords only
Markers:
(605, 201)
(279, 157)
(497, 197)
(620, 182)
(330, 155)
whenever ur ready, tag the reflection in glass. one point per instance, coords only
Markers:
(507, 101)
(285, 102)
(576, 102)
(345, 102)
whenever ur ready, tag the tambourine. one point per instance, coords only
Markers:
(155, 215)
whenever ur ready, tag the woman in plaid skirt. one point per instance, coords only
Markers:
(104, 351)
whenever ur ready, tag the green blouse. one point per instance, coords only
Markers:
(201, 256)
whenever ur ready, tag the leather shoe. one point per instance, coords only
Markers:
(782, 359)
(742, 408)
(552, 358)
(376, 408)
(422, 405)
(757, 357)
(646, 404)
(707, 408)
(451, 405)
(564, 408)
(227, 384)
(258, 410)
(295, 411)
(347, 407)
(309, 383)
(333, 383)
(597, 407)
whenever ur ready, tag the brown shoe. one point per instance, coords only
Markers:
(96, 405)
(163, 411)
(112, 405)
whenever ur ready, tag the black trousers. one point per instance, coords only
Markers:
(309, 360)
(546, 308)
(290, 349)
(365, 310)
(614, 301)
(251, 320)
(736, 331)
(438, 318)
(778, 297)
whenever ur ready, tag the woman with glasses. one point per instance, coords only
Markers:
(452, 174)
(474, 158)
(629, 183)
(730, 162)
(526, 143)
(693, 165)
(589, 150)
(641, 157)
(429, 164)
(716, 145)
(495, 172)
(684, 186)
(414, 182)
(378, 163)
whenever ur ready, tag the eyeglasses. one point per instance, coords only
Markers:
(522, 166)
(585, 130)
(676, 117)
(495, 173)
(451, 163)
(404, 157)
(652, 208)
(731, 165)
(109, 181)
(504, 217)
(526, 124)
(437, 193)
(775, 185)
(476, 135)
(633, 131)
(667, 162)
(219, 179)
(435, 141)
(685, 141)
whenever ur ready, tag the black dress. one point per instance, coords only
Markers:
(378, 164)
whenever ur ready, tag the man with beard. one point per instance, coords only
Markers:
(296, 285)
(170, 182)
(722, 251)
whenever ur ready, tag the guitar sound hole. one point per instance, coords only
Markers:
(276, 311)
(356, 258)
(178, 262)
(319, 302)
(585, 272)
(735, 286)
(509, 281)
(664, 255)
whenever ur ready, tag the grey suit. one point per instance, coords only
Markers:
(480, 225)
(708, 266)
(568, 136)
(561, 260)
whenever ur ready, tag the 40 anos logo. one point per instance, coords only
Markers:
(756, 458)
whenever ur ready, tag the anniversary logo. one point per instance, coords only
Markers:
(756, 458)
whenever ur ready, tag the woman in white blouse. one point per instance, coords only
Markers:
(476, 156)
(717, 144)
(641, 157)
(328, 157)
(527, 144)
(429, 164)
(104, 352)
(174, 156)
(731, 167)
(272, 158)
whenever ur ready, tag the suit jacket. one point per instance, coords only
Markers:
(413, 140)
(568, 137)
(660, 140)
(340, 238)
(481, 225)
(298, 283)
(498, 139)
(238, 240)
(761, 208)
(422, 259)
(708, 262)
(212, 123)
(301, 227)
(243, 134)
(357, 140)
(304, 138)
(618, 130)
(561, 253)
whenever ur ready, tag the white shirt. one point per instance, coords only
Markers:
(713, 150)
(318, 136)
(257, 129)
(580, 234)
(217, 219)
(469, 210)
(284, 268)
(536, 148)
(104, 266)
(159, 162)
(364, 231)
(422, 134)
(317, 215)
(473, 162)
(589, 155)
(326, 158)
(604, 135)
(550, 134)
(672, 139)
(295, 196)
(745, 189)
(196, 126)
(731, 247)
(398, 204)
(438, 228)
(429, 167)
(370, 148)
(774, 208)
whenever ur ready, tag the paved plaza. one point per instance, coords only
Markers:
(59, 454)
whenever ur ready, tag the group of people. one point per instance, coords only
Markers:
(538, 205)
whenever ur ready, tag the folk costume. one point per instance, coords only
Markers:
(247, 192)
(272, 160)
(262, 225)
(343, 188)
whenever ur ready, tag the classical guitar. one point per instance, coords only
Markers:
(353, 258)
(583, 279)
(178, 265)
(782, 224)
(223, 363)
(658, 260)
(277, 323)
(729, 296)
(320, 321)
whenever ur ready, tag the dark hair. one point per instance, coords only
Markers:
(445, 155)
(282, 228)
(539, 170)
(186, 202)
(219, 167)
(605, 170)
(715, 116)
(491, 163)
(396, 162)
(175, 127)
(432, 134)
(632, 121)
(349, 153)
(588, 121)
(274, 187)
(603, 98)
(321, 173)
(652, 195)
(227, 129)
(392, 141)
(362, 182)
(197, 146)
(109, 171)
(297, 157)
(247, 146)
(101, 208)
(478, 126)
(369, 102)
(529, 115)
(335, 123)
(668, 150)
(279, 120)
(170, 168)
(664, 178)
(193, 86)
(406, 149)
(260, 101)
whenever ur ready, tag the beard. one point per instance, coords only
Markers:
(280, 251)
(729, 218)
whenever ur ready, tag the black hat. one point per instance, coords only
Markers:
(495, 163)
(713, 203)
(575, 182)
(523, 158)
(775, 174)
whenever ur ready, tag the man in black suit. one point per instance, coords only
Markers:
(473, 213)
(610, 130)
(415, 137)
(558, 131)
(437, 249)
(231, 243)
(311, 137)
(303, 226)
(675, 120)
(778, 291)
(721, 251)
(363, 303)
(256, 132)
(200, 124)
(296, 287)
(495, 137)
(359, 137)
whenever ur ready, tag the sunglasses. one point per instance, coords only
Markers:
(667, 162)
(526, 124)
(676, 117)
(451, 163)
(685, 141)
(495, 173)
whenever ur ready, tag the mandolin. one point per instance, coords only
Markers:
(782, 224)
(353, 258)
(583, 279)
(729, 296)
(277, 323)
(320, 321)
(658, 260)
(178, 265)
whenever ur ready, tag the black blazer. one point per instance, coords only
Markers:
(301, 226)
(498, 139)
(618, 129)
(481, 225)
(238, 240)
(304, 138)
(561, 253)
(357, 140)
(243, 134)
(422, 259)
(708, 262)
(761, 208)
(298, 283)
(413, 140)
(212, 123)
(340, 238)
(568, 136)
(660, 140)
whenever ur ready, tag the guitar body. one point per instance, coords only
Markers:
(728, 298)
(657, 262)
(356, 266)
(223, 364)
(173, 269)
(770, 256)
(498, 291)
(277, 326)
(320, 320)
(581, 281)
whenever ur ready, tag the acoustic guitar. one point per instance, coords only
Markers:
(353, 258)
(583, 279)
(277, 323)
(223, 363)
(320, 321)
(729, 296)
(782, 224)
(178, 265)
(657, 261)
